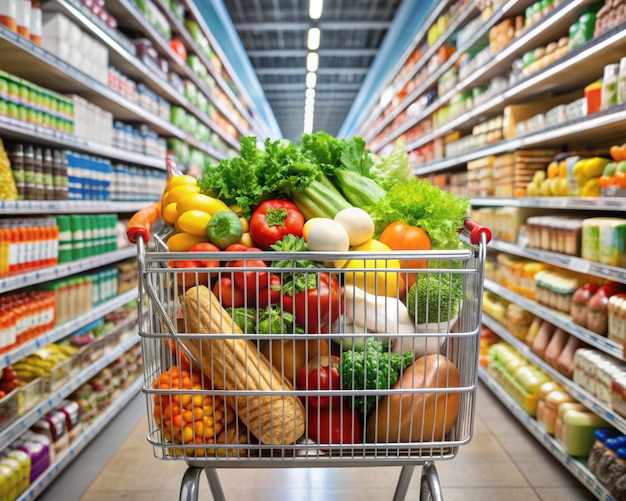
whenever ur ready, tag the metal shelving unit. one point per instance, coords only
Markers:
(64, 330)
(558, 20)
(463, 18)
(600, 408)
(53, 399)
(564, 261)
(604, 204)
(558, 319)
(602, 126)
(87, 436)
(64, 270)
(578, 469)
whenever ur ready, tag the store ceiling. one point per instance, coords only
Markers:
(274, 34)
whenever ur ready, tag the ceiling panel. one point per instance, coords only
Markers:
(274, 34)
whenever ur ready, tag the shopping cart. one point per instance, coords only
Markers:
(226, 388)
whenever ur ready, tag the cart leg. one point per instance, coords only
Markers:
(402, 486)
(430, 488)
(214, 483)
(190, 484)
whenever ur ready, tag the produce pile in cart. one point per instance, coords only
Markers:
(295, 308)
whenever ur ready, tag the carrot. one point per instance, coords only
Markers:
(139, 224)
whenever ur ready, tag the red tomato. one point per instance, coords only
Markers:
(192, 278)
(270, 294)
(400, 236)
(321, 373)
(229, 293)
(274, 219)
(316, 308)
(334, 425)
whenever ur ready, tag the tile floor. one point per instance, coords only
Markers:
(503, 462)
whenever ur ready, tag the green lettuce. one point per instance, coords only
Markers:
(418, 203)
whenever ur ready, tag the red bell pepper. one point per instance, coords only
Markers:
(314, 299)
(191, 278)
(334, 425)
(321, 373)
(272, 220)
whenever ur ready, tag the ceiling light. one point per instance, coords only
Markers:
(315, 8)
(310, 93)
(309, 100)
(311, 80)
(308, 128)
(312, 61)
(313, 39)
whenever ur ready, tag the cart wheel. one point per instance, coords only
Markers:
(430, 488)
(191, 484)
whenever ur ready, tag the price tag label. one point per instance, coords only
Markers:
(579, 265)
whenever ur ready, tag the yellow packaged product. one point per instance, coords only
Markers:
(8, 190)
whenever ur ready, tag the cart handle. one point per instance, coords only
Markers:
(139, 224)
(473, 230)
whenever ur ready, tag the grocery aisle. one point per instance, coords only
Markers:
(503, 461)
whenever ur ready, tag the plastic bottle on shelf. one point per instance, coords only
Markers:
(39, 177)
(609, 86)
(48, 175)
(617, 471)
(16, 158)
(8, 14)
(29, 172)
(602, 469)
(23, 11)
(35, 23)
(599, 447)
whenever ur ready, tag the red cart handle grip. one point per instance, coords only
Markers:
(474, 230)
(139, 224)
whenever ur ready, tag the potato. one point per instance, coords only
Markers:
(418, 417)
(289, 355)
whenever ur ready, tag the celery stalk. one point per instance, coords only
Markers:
(320, 199)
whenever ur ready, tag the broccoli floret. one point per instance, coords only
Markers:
(370, 367)
(245, 318)
(435, 298)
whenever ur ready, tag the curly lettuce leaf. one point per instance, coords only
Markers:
(394, 168)
(419, 203)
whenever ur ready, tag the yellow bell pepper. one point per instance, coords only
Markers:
(381, 283)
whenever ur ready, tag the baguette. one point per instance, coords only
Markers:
(236, 365)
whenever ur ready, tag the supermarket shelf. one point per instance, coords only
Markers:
(569, 262)
(559, 320)
(30, 61)
(66, 329)
(559, 19)
(551, 444)
(602, 126)
(63, 270)
(53, 399)
(191, 7)
(591, 402)
(394, 88)
(573, 203)
(177, 27)
(86, 437)
(22, 207)
(27, 60)
(594, 55)
(130, 16)
(18, 130)
(468, 13)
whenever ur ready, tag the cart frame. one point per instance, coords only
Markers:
(159, 279)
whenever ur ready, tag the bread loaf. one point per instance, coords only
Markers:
(236, 365)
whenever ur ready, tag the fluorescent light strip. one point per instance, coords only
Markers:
(309, 93)
(311, 80)
(312, 61)
(313, 39)
(315, 8)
